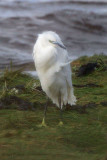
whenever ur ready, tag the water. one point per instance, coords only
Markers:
(82, 25)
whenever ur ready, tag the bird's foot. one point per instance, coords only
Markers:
(43, 124)
(60, 124)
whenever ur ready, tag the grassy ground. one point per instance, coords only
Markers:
(83, 135)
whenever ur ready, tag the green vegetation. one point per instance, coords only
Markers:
(84, 133)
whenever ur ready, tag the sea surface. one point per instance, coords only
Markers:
(82, 25)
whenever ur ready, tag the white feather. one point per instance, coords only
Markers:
(53, 68)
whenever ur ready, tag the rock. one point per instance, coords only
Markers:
(86, 69)
(104, 103)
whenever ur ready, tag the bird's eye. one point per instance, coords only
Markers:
(50, 41)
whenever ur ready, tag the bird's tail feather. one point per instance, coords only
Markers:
(71, 98)
(67, 98)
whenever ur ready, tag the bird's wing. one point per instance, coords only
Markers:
(63, 65)
(63, 61)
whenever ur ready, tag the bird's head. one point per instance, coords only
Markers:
(50, 38)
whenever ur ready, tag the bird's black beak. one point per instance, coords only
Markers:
(60, 45)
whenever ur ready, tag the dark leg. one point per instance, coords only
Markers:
(59, 100)
(45, 110)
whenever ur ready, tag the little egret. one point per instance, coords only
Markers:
(53, 68)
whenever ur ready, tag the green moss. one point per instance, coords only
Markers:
(94, 58)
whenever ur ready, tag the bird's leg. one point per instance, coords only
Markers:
(43, 121)
(59, 100)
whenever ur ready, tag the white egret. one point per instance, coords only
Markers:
(53, 68)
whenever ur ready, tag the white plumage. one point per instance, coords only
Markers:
(53, 68)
